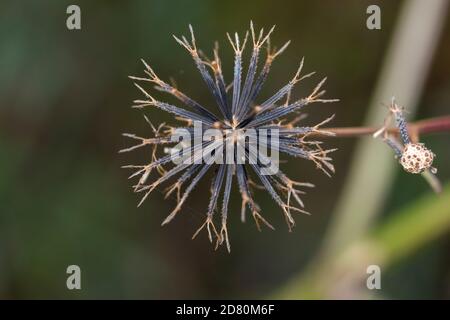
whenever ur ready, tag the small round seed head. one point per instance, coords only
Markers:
(416, 158)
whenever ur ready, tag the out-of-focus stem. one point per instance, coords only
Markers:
(401, 235)
(403, 73)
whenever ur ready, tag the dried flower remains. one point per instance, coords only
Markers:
(238, 109)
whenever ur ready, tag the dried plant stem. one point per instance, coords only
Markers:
(432, 125)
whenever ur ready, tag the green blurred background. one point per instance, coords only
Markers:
(65, 99)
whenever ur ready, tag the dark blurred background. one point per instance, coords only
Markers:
(65, 100)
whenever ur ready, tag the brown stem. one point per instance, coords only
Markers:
(439, 124)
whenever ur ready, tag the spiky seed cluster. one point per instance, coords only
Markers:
(238, 111)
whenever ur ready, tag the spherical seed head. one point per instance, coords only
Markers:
(250, 130)
(416, 158)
